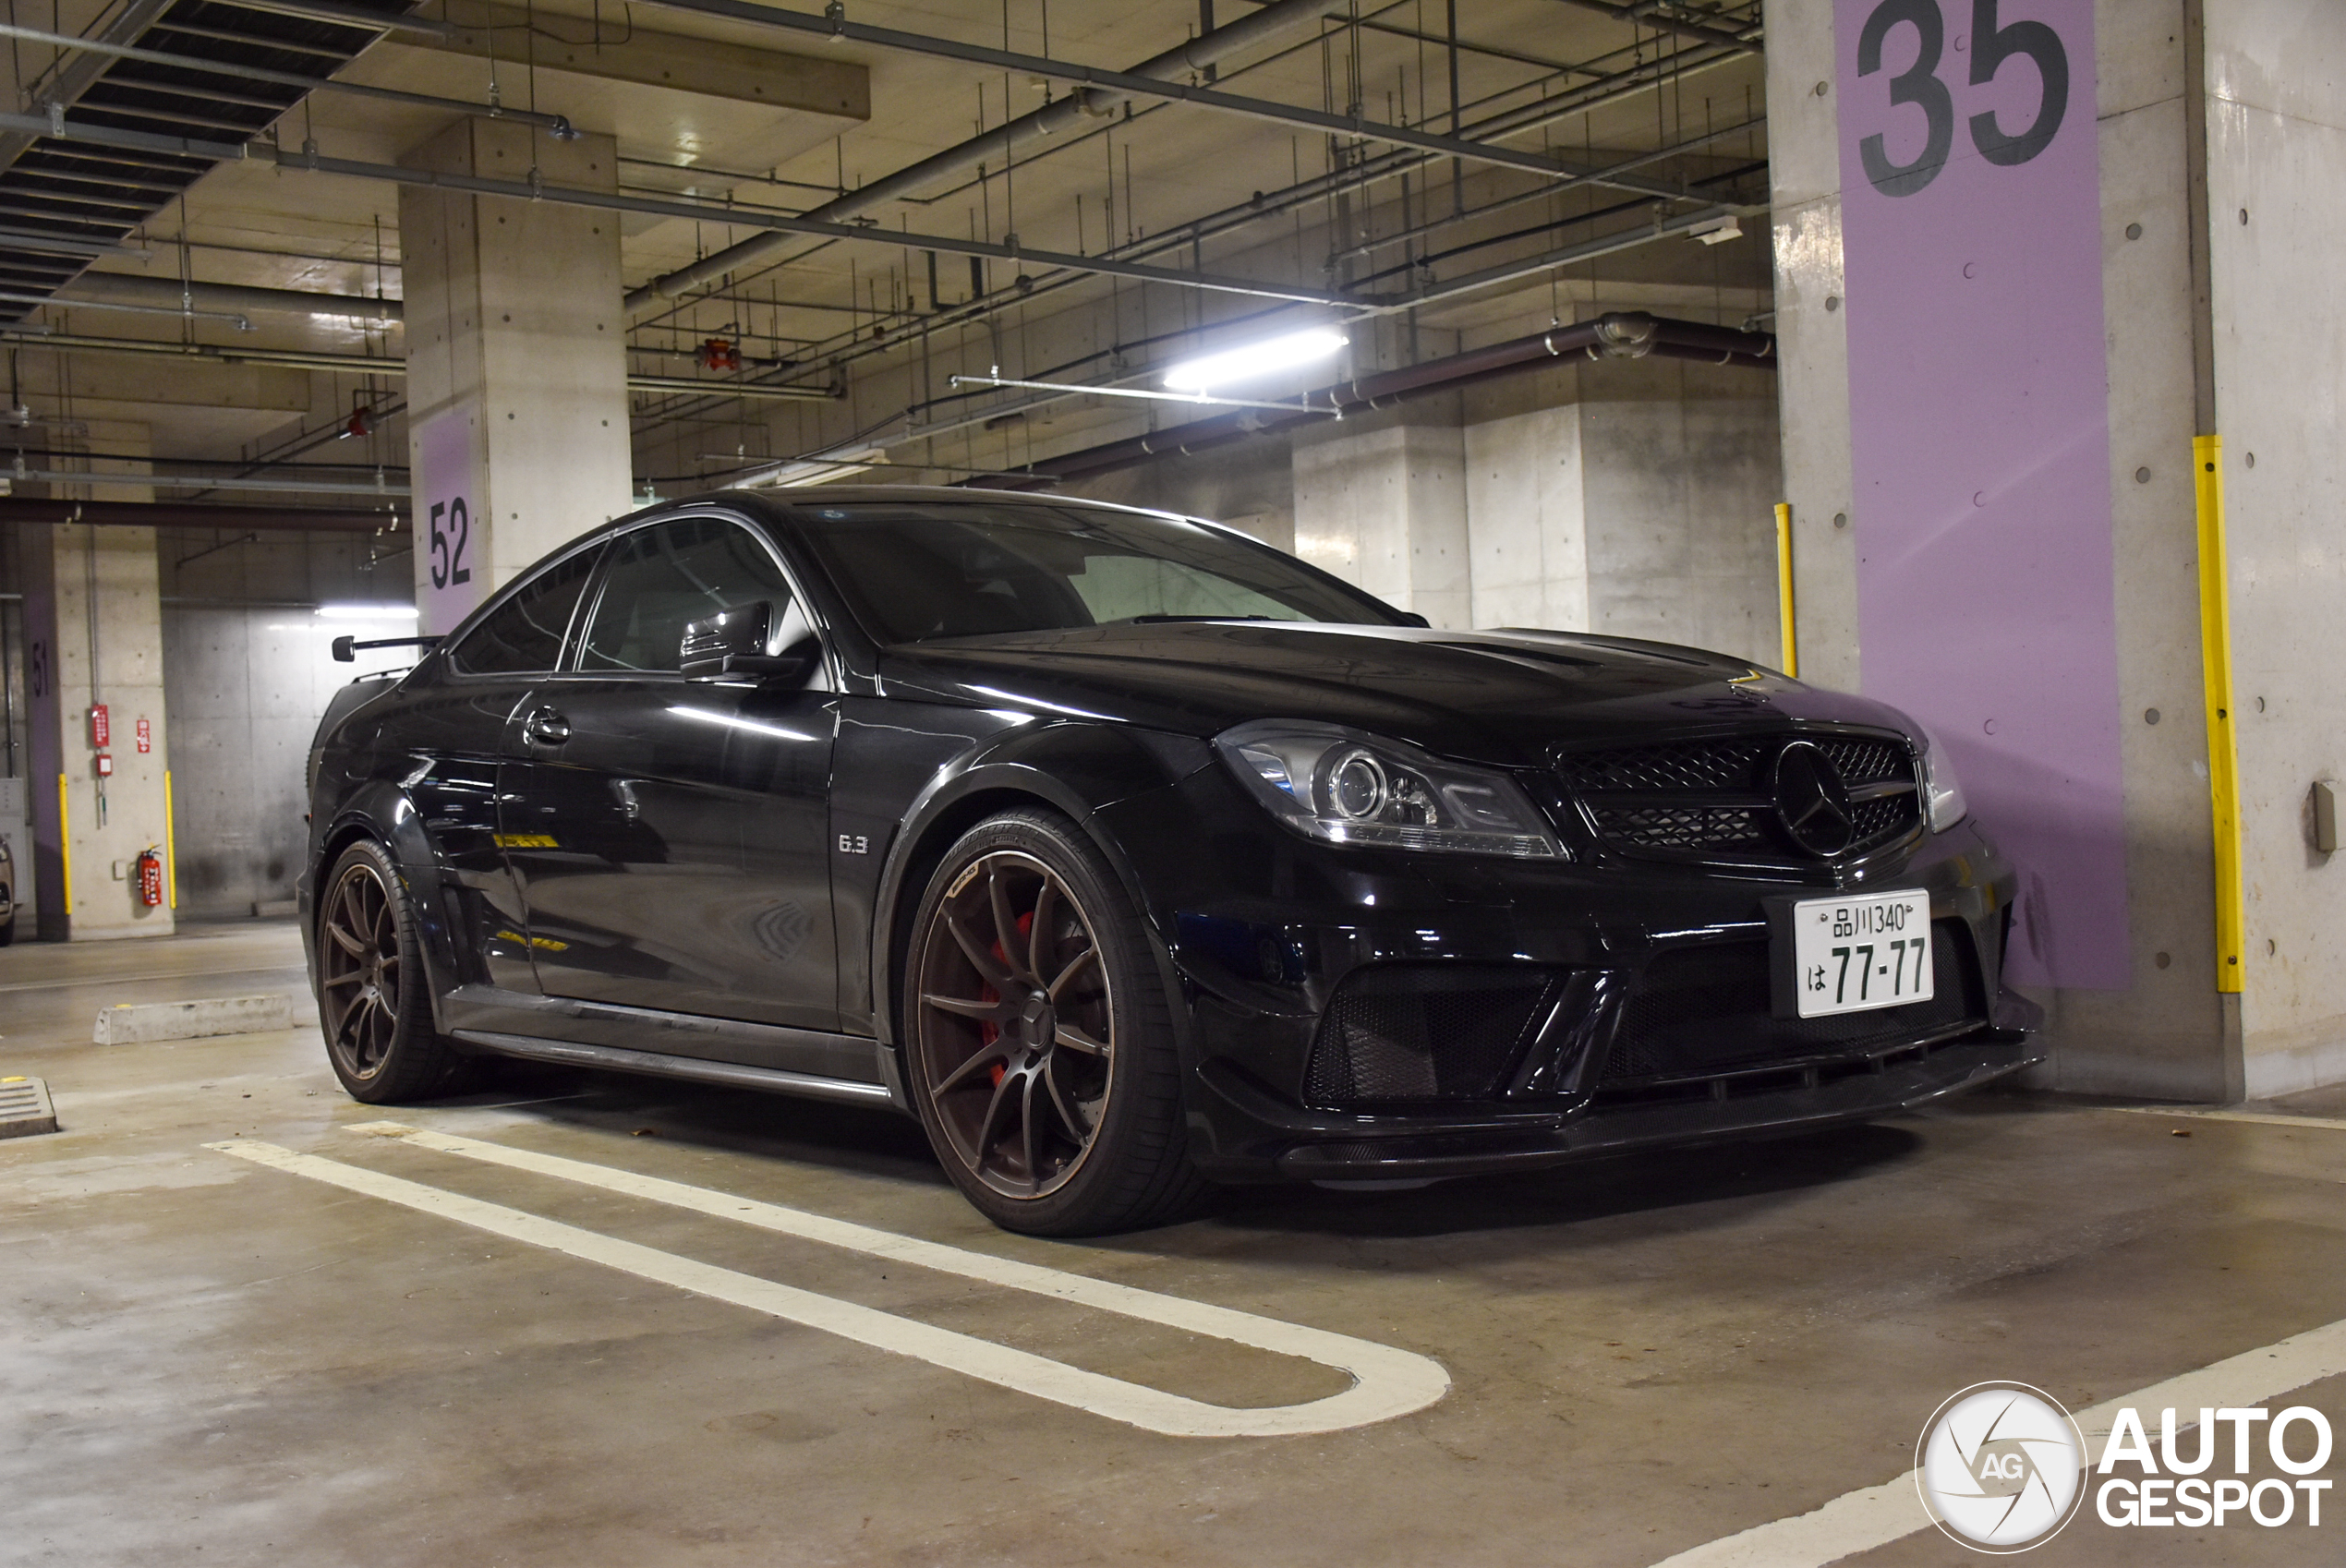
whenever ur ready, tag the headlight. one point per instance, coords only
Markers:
(1941, 795)
(1343, 787)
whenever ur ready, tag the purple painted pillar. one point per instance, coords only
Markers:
(1979, 435)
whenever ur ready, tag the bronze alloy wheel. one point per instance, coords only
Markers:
(359, 970)
(1016, 1026)
(373, 1004)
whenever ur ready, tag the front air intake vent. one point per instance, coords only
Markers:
(1399, 1032)
(1700, 1011)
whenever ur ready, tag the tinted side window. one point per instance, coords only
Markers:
(524, 635)
(672, 572)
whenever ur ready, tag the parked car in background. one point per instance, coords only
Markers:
(7, 893)
(1130, 854)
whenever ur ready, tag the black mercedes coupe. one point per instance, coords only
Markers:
(1131, 855)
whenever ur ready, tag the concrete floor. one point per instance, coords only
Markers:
(206, 1361)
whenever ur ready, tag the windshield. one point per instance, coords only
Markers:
(914, 571)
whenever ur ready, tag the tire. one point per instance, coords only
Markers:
(374, 996)
(1039, 1052)
(8, 929)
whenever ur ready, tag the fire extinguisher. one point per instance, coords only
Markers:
(151, 876)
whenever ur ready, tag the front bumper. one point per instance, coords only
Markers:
(1260, 930)
(1808, 1101)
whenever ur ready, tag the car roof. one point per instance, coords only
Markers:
(927, 495)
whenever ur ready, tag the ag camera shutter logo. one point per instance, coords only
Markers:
(1999, 1468)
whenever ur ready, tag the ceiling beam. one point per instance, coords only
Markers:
(807, 83)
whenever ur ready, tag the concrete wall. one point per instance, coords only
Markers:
(246, 673)
(2276, 167)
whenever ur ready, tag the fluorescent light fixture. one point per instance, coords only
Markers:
(1718, 231)
(367, 612)
(1255, 360)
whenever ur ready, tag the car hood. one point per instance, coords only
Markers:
(1502, 697)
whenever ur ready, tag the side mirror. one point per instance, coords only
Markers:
(733, 642)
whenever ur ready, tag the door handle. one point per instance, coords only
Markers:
(545, 727)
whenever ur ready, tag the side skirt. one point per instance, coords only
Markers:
(772, 1080)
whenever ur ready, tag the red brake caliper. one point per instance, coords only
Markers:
(987, 1033)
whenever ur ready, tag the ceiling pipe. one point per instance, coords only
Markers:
(1664, 18)
(363, 365)
(166, 480)
(123, 288)
(1264, 25)
(1615, 336)
(25, 510)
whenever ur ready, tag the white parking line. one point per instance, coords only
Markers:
(1387, 1381)
(1860, 1521)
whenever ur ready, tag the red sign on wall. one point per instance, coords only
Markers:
(101, 728)
(146, 736)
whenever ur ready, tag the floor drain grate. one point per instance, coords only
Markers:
(24, 1108)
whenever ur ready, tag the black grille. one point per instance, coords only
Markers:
(1407, 1032)
(1686, 827)
(1698, 1011)
(1671, 769)
(1637, 796)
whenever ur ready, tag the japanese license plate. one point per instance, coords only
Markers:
(1861, 951)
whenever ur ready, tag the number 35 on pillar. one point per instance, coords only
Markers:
(1923, 95)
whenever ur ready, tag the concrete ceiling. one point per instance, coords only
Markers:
(1174, 184)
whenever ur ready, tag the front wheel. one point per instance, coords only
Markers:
(374, 1002)
(1038, 1043)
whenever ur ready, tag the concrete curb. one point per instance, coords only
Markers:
(135, 1023)
(24, 1108)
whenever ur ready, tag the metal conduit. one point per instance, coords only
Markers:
(123, 288)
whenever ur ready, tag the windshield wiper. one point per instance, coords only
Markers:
(1161, 620)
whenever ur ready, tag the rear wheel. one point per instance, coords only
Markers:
(374, 1003)
(1038, 1042)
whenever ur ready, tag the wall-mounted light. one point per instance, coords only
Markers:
(1252, 361)
(367, 612)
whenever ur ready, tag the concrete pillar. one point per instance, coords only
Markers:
(93, 634)
(1641, 508)
(1381, 501)
(1992, 381)
(516, 370)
